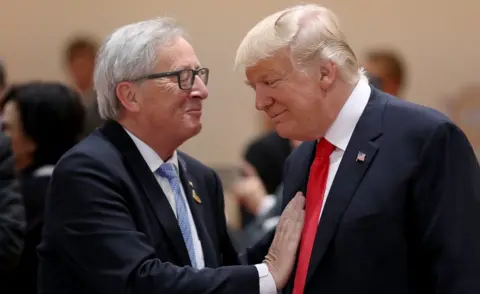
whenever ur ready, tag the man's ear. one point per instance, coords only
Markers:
(127, 95)
(326, 75)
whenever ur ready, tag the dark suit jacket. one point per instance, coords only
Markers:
(406, 219)
(110, 229)
(12, 215)
(260, 227)
(92, 116)
(267, 154)
(23, 279)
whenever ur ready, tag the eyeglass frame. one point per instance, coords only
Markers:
(177, 73)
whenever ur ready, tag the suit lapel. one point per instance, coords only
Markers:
(197, 210)
(122, 141)
(348, 177)
(299, 178)
(300, 175)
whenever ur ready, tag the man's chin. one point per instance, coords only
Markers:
(195, 129)
(285, 131)
(291, 132)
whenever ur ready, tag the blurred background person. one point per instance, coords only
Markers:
(386, 70)
(12, 213)
(264, 158)
(12, 216)
(80, 53)
(3, 77)
(43, 121)
(264, 208)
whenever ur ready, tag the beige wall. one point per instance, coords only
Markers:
(440, 39)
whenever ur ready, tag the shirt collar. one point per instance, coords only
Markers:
(150, 156)
(341, 130)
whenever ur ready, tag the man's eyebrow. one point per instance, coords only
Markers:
(185, 66)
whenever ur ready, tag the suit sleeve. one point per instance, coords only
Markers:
(89, 227)
(447, 214)
(12, 215)
(266, 283)
(229, 254)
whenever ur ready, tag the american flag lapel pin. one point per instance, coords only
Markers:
(361, 156)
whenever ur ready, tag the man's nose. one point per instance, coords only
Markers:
(262, 100)
(199, 89)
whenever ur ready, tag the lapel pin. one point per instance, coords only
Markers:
(190, 183)
(361, 156)
(195, 197)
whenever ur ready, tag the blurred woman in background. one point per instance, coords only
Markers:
(43, 121)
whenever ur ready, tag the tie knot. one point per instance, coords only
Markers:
(324, 149)
(167, 170)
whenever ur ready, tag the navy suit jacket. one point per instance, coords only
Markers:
(110, 229)
(406, 219)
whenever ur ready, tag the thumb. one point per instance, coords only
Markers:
(249, 170)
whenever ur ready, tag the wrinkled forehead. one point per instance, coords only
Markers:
(175, 55)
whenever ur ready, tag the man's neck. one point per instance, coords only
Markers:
(162, 145)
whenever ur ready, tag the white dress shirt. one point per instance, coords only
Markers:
(341, 130)
(267, 284)
(154, 162)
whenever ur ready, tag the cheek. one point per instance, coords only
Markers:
(304, 99)
(20, 144)
(291, 100)
(167, 107)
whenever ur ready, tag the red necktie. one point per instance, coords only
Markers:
(317, 181)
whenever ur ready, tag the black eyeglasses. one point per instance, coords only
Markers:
(185, 77)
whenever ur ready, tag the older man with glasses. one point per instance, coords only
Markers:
(127, 212)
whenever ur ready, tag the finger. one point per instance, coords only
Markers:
(291, 210)
(291, 213)
(300, 197)
(249, 170)
(298, 226)
(298, 231)
(301, 220)
(298, 202)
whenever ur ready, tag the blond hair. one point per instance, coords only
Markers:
(310, 32)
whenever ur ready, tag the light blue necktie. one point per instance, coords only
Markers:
(168, 171)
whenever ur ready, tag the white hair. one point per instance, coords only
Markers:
(129, 53)
(310, 32)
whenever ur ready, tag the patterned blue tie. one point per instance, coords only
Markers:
(168, 171)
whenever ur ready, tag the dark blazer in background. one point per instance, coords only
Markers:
(267, 154)
(92, 116)
(261, 226)
(110, 229)
(33, 187)
(403, 221)
(12, 215)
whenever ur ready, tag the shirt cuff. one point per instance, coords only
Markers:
(266, 205)
(267, 283)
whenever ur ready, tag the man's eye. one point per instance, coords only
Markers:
(270, 83)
